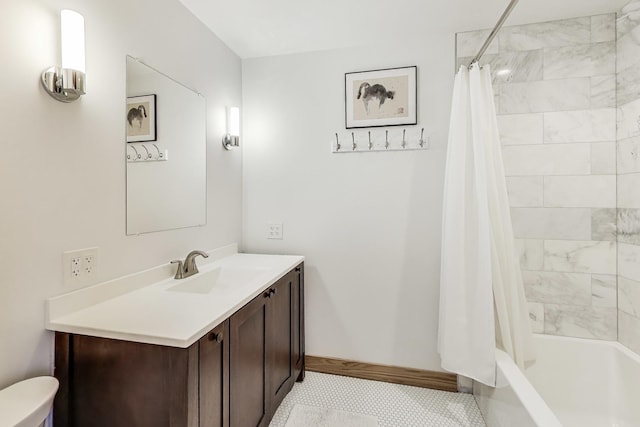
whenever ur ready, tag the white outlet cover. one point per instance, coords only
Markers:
(80, 267)
(274, 231)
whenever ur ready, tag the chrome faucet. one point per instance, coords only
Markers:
(189, 267)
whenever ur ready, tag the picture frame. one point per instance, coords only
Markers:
(386, 97)
(140, 118)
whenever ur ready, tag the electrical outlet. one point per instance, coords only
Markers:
(80, 267)
(75, 267)
(274, 231)
(88, 261)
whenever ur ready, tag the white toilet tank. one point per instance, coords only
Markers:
(27, 403)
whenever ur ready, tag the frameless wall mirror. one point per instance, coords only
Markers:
(165, 152)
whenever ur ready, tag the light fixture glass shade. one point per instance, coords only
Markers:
(234, 121)
(67, 83)
(72, 38)
(231, 139)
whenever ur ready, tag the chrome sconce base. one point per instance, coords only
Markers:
(64, 84)
(230, 141)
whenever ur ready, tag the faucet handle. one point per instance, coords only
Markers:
(180, 270)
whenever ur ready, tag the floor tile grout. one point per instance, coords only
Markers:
(393, 405)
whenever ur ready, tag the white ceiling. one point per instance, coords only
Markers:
(254, 28)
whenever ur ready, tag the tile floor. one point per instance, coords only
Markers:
(392, 404)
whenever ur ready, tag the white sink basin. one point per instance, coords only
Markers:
(205, 282)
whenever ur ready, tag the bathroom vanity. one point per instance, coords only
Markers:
(224, 354)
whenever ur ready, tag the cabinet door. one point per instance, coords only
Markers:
(214, 377)
(280, 339)
(247, 368)
(298, 324)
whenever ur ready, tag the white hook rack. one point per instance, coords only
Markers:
(378, 140)
(146, 152)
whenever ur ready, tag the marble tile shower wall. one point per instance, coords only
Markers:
(555, 85)
(628, 84)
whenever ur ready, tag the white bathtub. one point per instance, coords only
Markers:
(574, 383)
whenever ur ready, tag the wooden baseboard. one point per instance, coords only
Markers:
(390, 374)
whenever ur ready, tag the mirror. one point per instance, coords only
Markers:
(165, 152)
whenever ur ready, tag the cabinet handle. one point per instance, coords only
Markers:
(275, 291)
(215, 337)
(267, 294)
(298, 268)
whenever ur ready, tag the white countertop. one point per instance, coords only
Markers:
(151, 313)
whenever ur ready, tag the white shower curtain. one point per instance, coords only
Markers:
(482, 302)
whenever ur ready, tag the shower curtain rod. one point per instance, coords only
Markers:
(494, 33)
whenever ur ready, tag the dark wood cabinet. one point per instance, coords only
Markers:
(109, 382)
(213, 385)
(234, 376)
(281, 317)
(267, 351)
(248, 370)
(298, 324)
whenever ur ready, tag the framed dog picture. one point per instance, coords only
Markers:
(381, 98)
(141, 118)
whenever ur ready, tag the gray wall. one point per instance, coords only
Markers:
(557, 121)
(629, 175)
(368, 223)
(63, 167)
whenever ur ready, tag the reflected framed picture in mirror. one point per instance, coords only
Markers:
(141, 118)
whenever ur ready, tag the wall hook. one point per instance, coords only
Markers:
(160, 154)
(148, 156)
(392, 142)
(147, 150)
(138, 156)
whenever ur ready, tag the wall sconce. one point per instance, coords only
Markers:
(67, 83)
(232, 138)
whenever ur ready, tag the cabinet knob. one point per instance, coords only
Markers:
(273, 291)
(298, 268)
(267, 294)
(215, 337)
